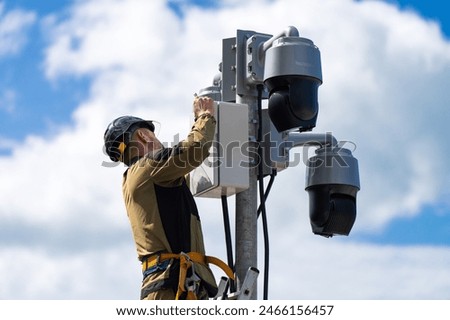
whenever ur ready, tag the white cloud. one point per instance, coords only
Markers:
(385, 88)
(110, 35)
(35, 274)
(13, 25)
(340, 270)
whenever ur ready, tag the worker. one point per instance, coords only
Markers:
(163, 215)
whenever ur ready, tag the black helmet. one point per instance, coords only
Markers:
(119, 132)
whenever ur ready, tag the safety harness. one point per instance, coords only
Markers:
(191, 284)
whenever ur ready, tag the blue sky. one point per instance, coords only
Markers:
(38, 102)
(55, 98)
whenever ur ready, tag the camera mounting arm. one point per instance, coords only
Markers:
(297, 139)
(288, 32)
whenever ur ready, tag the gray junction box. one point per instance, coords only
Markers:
(226, 170)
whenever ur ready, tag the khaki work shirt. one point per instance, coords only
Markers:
(161, 209)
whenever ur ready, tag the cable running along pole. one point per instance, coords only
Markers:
(229, 245)
(262, 197)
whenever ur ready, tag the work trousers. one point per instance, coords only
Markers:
(169, 294)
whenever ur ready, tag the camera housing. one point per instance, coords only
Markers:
(332, 182)
(293, 75)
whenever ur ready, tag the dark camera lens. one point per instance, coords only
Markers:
(331, 213)
(303, 98)
(293, 102)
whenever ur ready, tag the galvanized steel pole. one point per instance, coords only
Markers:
(246, 204)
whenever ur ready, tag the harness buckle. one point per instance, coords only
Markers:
(193, 282)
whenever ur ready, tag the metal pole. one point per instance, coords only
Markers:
(246, 204)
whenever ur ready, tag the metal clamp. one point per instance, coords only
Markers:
(192, 282)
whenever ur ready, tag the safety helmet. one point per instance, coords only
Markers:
(119, 132)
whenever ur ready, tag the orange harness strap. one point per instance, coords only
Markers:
(186, 262)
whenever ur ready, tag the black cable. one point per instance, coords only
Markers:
(229, 245)
(262, 197)
(268, 188)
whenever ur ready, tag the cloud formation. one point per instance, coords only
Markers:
(13, 27)
(386, 74)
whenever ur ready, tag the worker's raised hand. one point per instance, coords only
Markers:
(203, 105)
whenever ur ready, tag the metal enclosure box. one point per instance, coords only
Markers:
(226, 170)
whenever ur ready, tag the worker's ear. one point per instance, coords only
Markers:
(144, 135)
